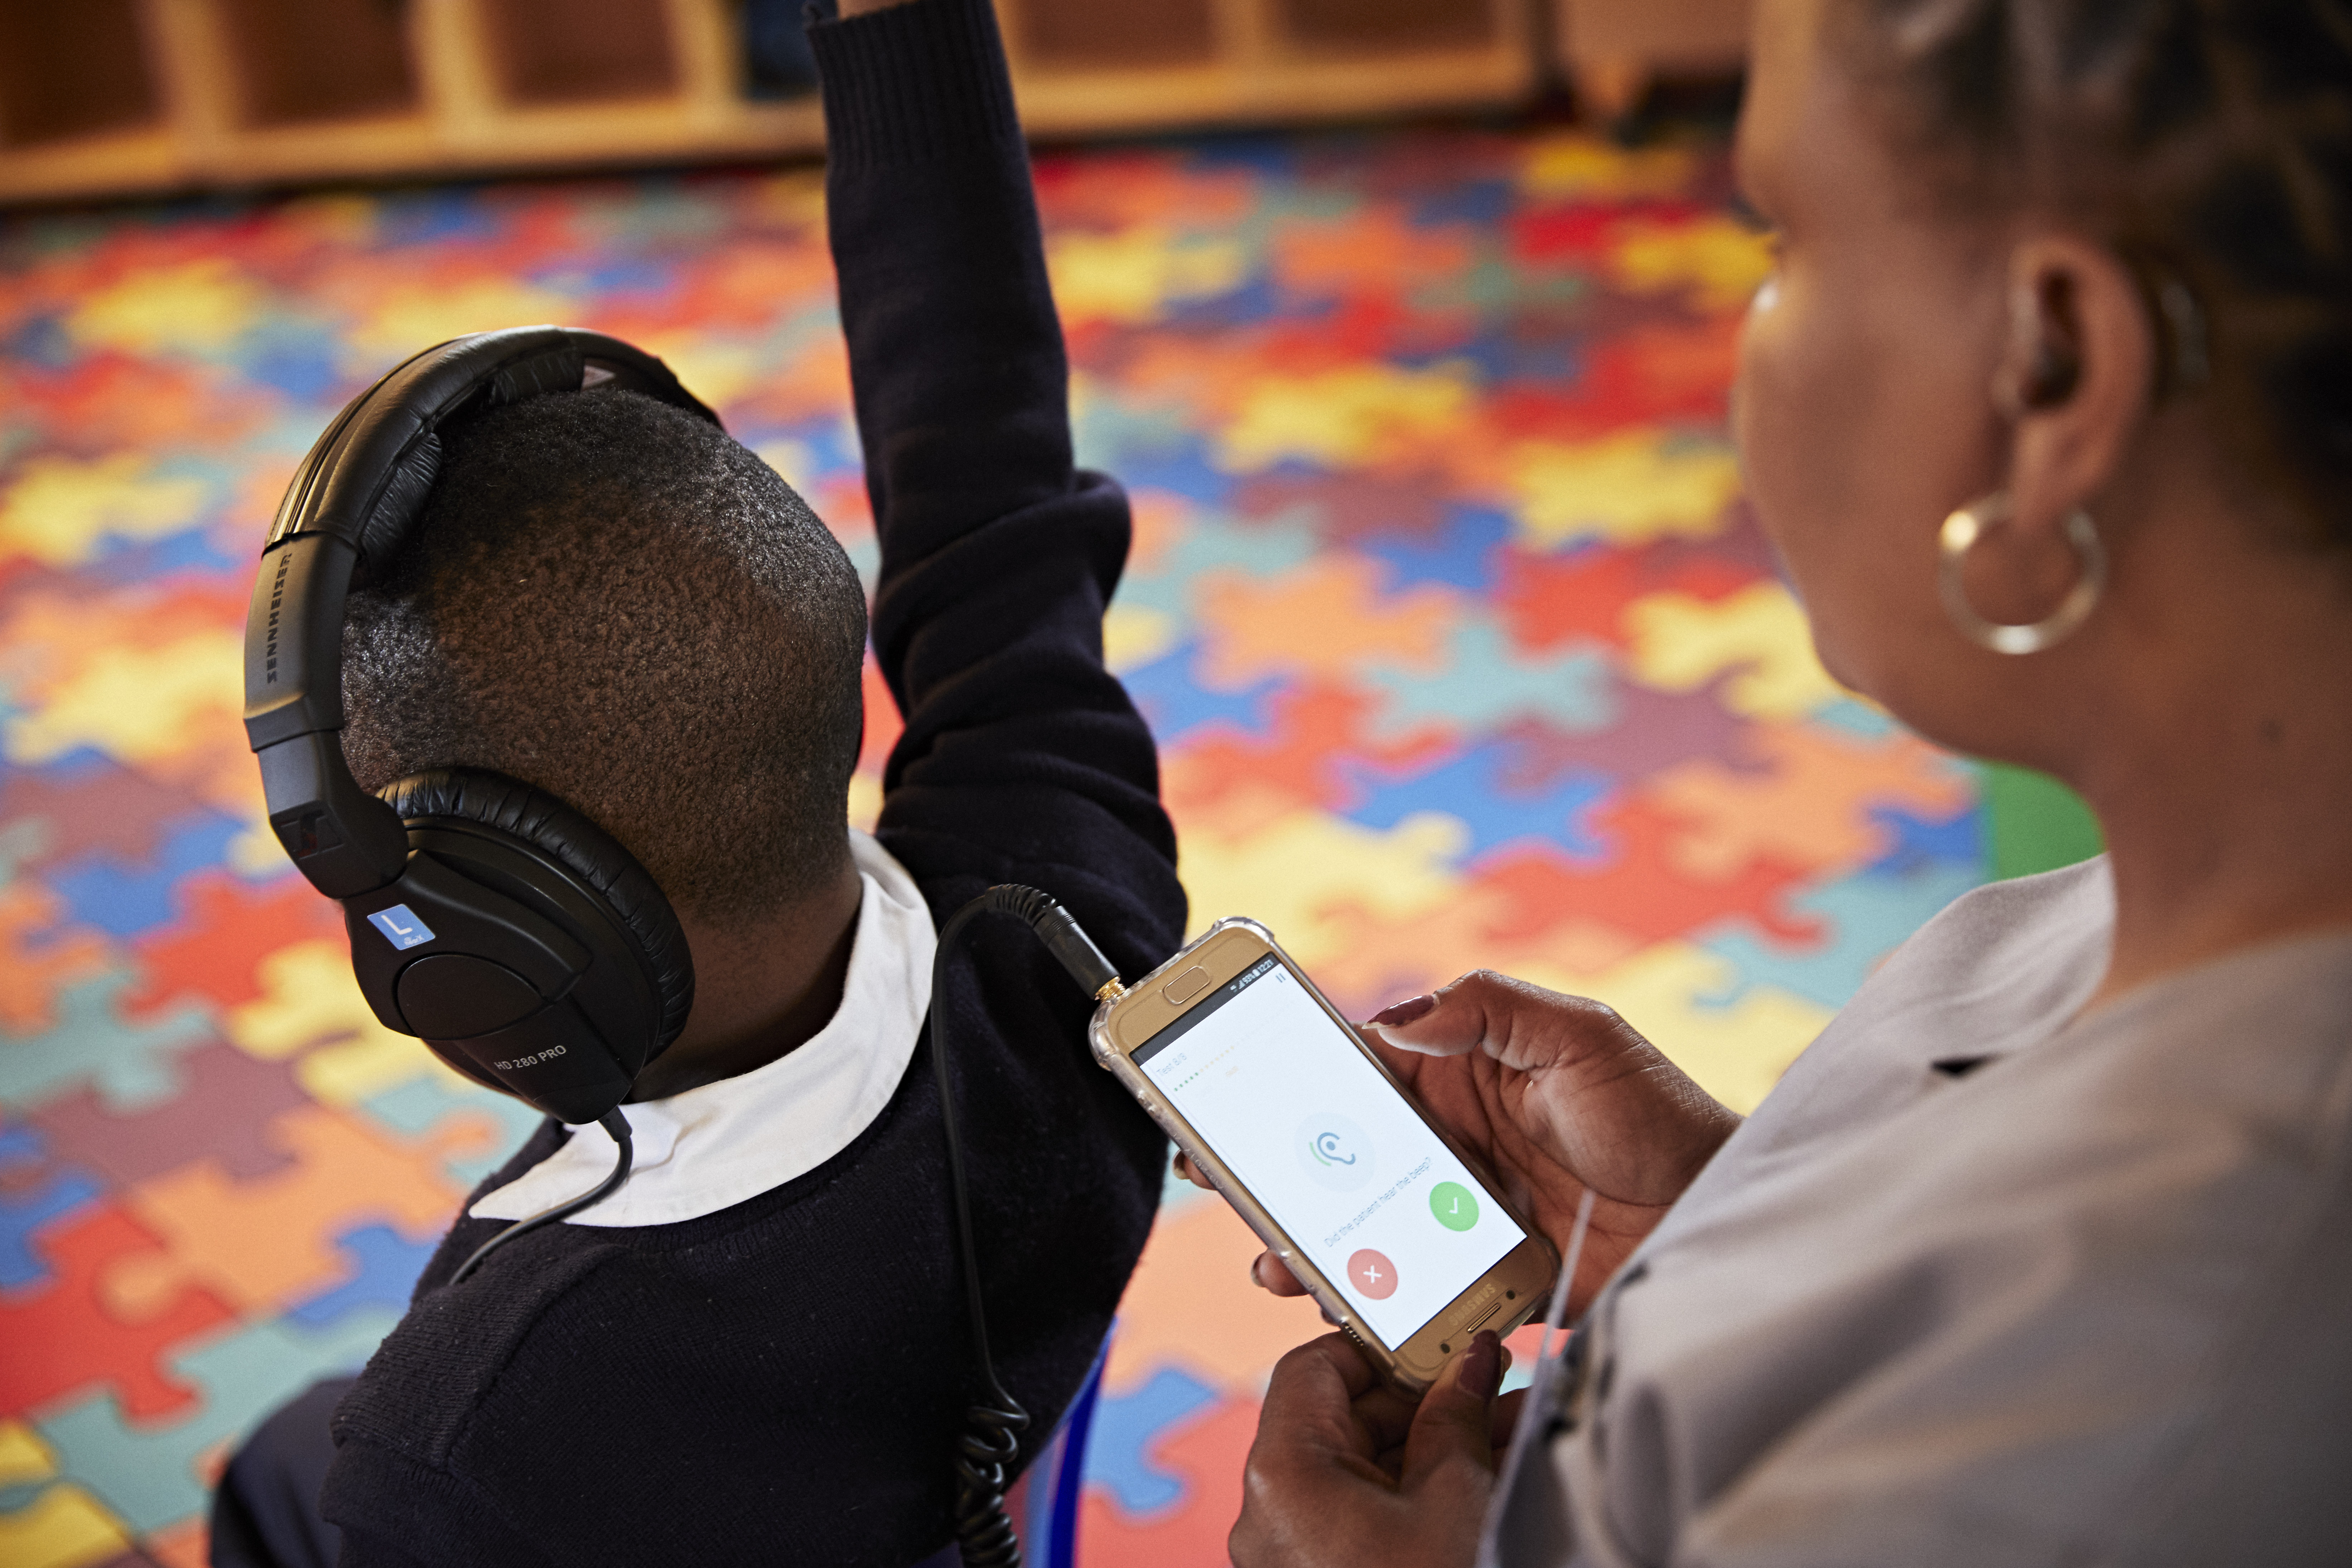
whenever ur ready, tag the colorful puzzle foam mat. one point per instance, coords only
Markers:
(1460, 645)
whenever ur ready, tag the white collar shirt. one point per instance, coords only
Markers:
(711, 1148)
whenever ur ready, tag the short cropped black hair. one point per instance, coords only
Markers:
(612, 600)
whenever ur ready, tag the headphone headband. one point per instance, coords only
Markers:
(354, 504)
(355, 482)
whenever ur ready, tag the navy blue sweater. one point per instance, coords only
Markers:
(782, 1381)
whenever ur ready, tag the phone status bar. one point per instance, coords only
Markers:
(1200, 1011)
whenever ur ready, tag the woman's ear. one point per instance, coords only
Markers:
(2076, 379)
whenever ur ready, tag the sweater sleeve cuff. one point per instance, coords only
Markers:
(914, 83)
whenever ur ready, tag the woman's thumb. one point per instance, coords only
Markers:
(1424, 1025)
(1450, 1428)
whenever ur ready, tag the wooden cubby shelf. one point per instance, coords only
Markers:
(104, 98)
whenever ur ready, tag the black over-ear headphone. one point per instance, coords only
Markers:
(521, 942)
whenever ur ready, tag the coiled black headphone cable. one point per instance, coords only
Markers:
(990, 1440)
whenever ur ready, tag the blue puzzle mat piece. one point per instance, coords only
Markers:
(123, 899)
(1258, 299)
(388, 1266)
(28, 1201)
(1918, 842)
(1467, 787)
(1460, 556)
(1479, 202)
(415, 217)
(1124, 1429)
(1180, 466)
(1506, 356)
(1174, 704)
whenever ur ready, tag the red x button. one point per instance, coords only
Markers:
(1372, 1274)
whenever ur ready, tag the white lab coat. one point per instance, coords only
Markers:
(2087, 1302)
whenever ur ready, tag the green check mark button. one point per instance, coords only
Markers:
(1455, 1206)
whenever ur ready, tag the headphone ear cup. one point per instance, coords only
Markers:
(598, 865)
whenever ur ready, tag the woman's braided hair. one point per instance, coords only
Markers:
(2209, 139)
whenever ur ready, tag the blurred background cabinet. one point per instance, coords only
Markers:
(101, 96)
(1612, 51)
(111, 97)
(1113, 65)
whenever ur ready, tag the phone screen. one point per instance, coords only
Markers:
(1328, 1147)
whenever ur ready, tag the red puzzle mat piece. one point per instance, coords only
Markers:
(1349, 507)
(1651, 372)
(1582, 231)
(114, 400)
(1644, 891)
(1318, 733)
(229, 926)
(1548, 600)
(62, 1337)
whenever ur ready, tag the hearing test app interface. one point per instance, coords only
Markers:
(1325, 1143)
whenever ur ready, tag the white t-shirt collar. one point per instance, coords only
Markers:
(712, 1147)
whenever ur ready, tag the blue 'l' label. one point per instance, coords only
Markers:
(400, 928)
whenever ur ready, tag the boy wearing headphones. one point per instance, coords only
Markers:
(757, 1348)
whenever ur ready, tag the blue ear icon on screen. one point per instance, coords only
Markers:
(1334, 1151)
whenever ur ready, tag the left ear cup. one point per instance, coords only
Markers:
(524, 845)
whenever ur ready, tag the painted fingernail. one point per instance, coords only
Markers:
(1482, 1366)
(1404, 1012)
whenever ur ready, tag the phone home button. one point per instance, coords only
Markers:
(1186, 987)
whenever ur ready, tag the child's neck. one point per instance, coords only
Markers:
(761, 989)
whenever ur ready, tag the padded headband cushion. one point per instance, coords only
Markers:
(586, 850)
(367, 479)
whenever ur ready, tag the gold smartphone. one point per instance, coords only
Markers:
(1256, 1076)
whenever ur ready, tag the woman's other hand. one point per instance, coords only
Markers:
(1346, 1470)
(1554, 1094)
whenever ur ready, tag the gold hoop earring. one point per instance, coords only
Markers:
(1960, 534)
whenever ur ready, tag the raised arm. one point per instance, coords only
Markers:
(955, 350)
(998, 557)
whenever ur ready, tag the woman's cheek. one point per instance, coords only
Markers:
(1759, 409)
(1785, 441)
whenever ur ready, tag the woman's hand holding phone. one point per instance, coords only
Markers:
(1346, 1470)
(1554, 1093)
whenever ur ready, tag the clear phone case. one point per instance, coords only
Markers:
(1412, 1379)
